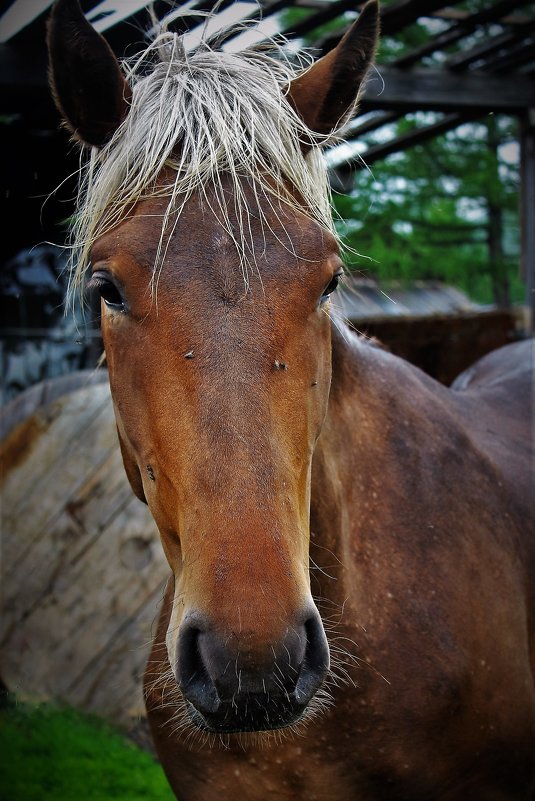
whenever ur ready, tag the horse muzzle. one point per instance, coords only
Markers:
(229, 686)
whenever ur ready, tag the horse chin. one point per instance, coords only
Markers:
(228, 720)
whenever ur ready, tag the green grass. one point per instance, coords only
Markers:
(51, 754)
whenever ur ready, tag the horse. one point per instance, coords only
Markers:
(350, 612)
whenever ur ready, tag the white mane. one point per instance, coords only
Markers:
(205, 114)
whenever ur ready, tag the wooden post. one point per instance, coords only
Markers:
(527, 201)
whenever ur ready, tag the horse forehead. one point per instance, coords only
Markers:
(197, 237)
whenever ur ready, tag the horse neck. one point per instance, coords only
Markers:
(383, 417)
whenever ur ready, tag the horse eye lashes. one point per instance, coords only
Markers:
(107, 290)
(332, 286)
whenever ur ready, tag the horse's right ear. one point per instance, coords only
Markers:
(325, 95)
(87, 84)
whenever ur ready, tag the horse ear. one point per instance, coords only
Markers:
(87, 84)
(326, 94)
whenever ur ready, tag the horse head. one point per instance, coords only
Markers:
(215, 267)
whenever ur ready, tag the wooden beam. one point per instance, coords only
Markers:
(439, 90)
(488, 47)
(313, 21)
(451, 14)
(317, 5)
(496, 13)
(415, 137)
(527, 206)
(358, 127)
(439, 42)
(19, 15)
(343, 170)
(396, 90)
(400, 14)
(394, 17)
(515, 58)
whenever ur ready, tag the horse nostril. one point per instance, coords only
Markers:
(316, 660)
(193, 678)
(265, 689)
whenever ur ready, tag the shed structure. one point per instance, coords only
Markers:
(480, 60)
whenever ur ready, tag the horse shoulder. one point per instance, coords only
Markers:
(442, 554)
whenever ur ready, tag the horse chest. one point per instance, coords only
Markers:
(375, 744)
(286, 773)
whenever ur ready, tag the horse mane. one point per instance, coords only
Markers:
(202, 114)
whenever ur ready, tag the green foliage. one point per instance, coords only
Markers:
(443, 210)
(51, 754)
(392, 47)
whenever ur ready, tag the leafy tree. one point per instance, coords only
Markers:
(445, 210)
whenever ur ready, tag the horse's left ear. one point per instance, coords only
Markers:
(326, 94)
(88, 86)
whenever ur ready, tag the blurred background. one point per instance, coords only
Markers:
(434, 188)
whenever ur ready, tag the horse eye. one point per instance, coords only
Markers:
(108, 291)
(331, 286)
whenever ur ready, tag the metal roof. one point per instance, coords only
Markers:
(363, 299)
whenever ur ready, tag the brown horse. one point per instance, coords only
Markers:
(290, 466)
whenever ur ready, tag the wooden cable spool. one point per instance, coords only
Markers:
(83, 570)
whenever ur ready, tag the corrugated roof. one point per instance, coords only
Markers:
(363, 299)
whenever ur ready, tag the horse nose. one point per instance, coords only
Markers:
(232, 686)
